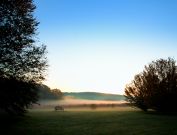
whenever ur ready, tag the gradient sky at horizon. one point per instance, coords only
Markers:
(99, 45)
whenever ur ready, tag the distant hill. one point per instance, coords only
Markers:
(93, 96)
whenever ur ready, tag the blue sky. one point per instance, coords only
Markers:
(99, 45)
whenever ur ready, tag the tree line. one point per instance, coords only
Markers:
(45, 93)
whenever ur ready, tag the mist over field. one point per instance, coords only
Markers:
(85, 99)
(69, 101)
(93, 96)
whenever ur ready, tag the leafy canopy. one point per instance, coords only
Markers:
(155, 88)
(22, 62)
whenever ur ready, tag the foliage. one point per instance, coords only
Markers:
(155, 88)
(93, 106)
(45, 93)
(16, 95)
(22, 63)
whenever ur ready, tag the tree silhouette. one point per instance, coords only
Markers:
(22, 62)
(45, 93)
(155, 88)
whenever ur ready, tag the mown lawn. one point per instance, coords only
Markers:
(49, 122)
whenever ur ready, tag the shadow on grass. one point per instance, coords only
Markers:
(152, 112)
(9, 122)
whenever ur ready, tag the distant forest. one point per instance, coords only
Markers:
(45, 93)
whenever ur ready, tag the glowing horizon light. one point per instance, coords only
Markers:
(100, 45)
(104, 72)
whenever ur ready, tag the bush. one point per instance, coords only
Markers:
(155, 88)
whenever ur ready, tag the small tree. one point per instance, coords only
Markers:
(22, 63)
(155, 88)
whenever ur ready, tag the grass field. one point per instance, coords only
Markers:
(119, 121)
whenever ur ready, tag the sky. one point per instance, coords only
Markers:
(100, 45)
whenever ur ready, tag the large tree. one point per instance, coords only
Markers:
(22, 58)
(155, 88)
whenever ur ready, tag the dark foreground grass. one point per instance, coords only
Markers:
(89, 123)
